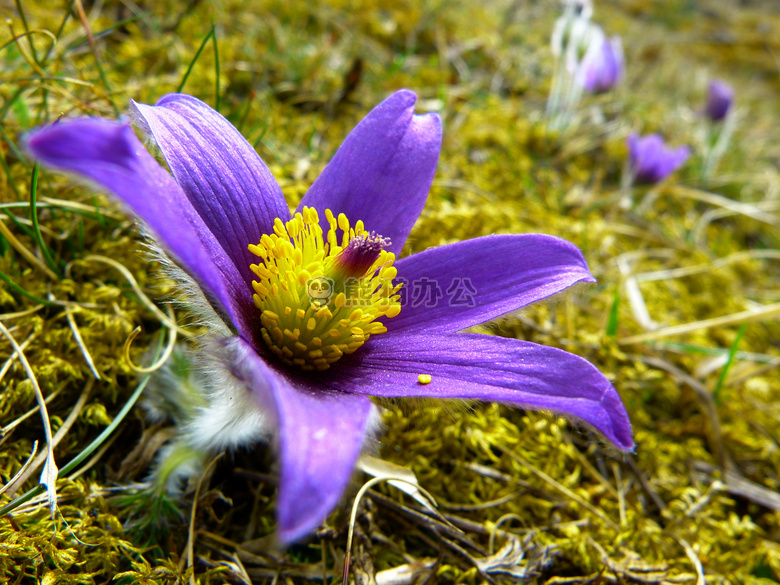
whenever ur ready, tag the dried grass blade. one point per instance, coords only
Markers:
(26, 253)
(80, 343)
(107, 432)
(560, 487)
(168, 322)
(22, 471)
(49, 475)
(58, 436)
(767, 312)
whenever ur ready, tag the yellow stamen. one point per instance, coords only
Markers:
(315, 305)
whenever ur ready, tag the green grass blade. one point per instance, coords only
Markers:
(57, 35)
(194, 60)
(80, 42)
(19, 225)
(18, 289)
(216, 65)
(612, 323)
(96, 55)
(103, 221)
(47, 256)
(14, 149)
(27, 31)
(10, 182)
(10, 101)
(729, 361)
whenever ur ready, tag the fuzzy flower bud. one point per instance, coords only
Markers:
(720, 99)
(602, 66)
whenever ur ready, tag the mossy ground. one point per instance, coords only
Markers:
(698, 499)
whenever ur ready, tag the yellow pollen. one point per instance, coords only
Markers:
(424, 378)
(311, 313)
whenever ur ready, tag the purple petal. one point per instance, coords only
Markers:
(488, 368)
(320, 435)
(109, 153)
(720, 98)
(651, 160)
(224, 178)
(383, 171)
(603, 65)
(452, 287)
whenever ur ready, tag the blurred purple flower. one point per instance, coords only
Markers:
(222, 210)
(651, 161)
(602, 66)
(720, 99)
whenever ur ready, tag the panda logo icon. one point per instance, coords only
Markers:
(320, 290)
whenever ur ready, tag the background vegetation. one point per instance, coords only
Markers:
(525, 495)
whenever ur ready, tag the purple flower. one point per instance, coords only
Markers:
(309, 357)
(651, 161)
(602, 67)
(720, 98)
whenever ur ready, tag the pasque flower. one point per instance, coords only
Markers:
(650, 160)
(720, 99)
(309, 357)
(602, 66)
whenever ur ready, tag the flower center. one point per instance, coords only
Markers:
(320, 297)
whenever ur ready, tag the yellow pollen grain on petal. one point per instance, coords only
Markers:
(424, 379)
